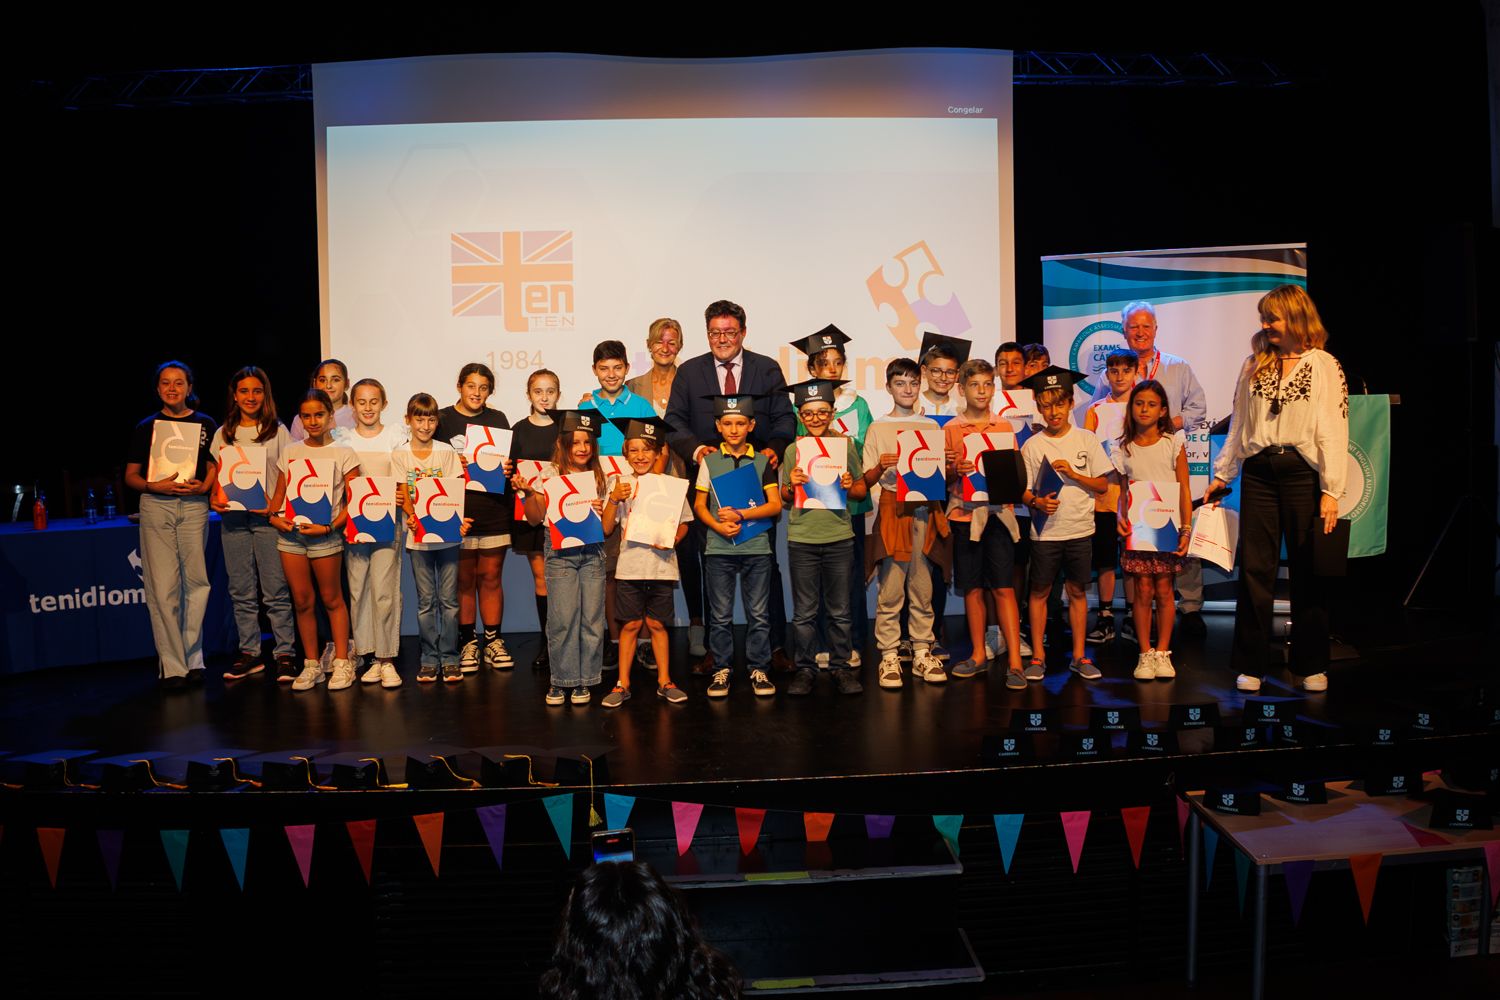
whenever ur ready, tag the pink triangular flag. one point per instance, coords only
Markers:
(1182, 817)
(430, 829)
(1492, 862)
(749, 821)
(817, 826)
(362, 836)
(1075, 828)
(1365, 868)
(1134, 818)
(51, 840)
(1425, 838)
(301, 839)
(685, 819)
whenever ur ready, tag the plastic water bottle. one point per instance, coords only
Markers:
(39, 512)
(91, 507)
(109, 502)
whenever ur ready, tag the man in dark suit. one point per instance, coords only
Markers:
(729, 368)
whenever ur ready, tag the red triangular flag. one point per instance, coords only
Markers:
(1134, 818)
(362, 836)
(430, 829)
(51, 840)
(749, 821)
(685, 820)
(1075, 828)
(1182, 817)
(1425, 838)
(1492, 862)
(301, 839)
(817, 825)
(1364, 868)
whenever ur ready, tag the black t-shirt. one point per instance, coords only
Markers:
(492, 514)
(532, 441)
(138, 451)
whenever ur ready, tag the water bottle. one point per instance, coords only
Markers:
(39, 511)
(109, 502)
(90, 507)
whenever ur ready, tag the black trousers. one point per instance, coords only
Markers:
(1279, 502)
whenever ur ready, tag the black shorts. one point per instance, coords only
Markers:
(1023, 547)
(1072, 556)
(987, 564)
(637, 599)
(1106, 539)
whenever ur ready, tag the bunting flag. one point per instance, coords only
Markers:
(362, 837)
(617, 810)
(1075, 828)
(1134, 818)
(50, 839)
(111, 846)
(1241, 876)
(1365, 868)
(1008, 831)
(1182, 817)
(560, 812)
(817, 826)
(492, 819)
(237, 846)
(879, 827)
(685, 819)
(430, 829)
(1492, 864)
(1210, 847)
(301, 838)
(1425, 838)
(948, 826)
(749, 822)
(1298, 877)
(175, 842)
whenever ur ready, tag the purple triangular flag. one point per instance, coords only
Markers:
(1008, 831)
(111, 843)
(1298, 877)
(492, 818)
(878, 827)
(175, 842)
(1210, 846)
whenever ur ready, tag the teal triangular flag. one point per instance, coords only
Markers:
(1241, 875)
(237, 845)
(617, 810)
(175, 842)
(1210, 845)
(1008, 831)
(560, 812)
(948, 826)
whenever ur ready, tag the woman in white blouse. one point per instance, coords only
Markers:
(1290, 433)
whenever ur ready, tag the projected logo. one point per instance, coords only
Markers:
(525, 277)
(912, 295)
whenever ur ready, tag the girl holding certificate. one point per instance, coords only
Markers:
(533, 440)
(171, 465)
(312, 540)
(1151, 452)
(250, 558)
(374, 568)
(332, 376)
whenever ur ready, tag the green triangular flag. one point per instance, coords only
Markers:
(175, 843)
(949, 826)
(560, 812)
(237, 846)
(1210, 845)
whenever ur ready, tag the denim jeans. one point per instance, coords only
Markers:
(255, 578)
(575, 614)
(859, 608)
(754, 573)
(820, 580)
(173, 532)
(435, 573)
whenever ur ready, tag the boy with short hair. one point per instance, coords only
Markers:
(724, 561)
(1103, 422)
(941, 357)
(1038, 358)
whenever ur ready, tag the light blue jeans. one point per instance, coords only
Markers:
(173, 533)
(255, 578)
(575, 614)
(435, 574)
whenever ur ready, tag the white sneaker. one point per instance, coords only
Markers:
(928, 667)
(343, 675)
(468, 657)
(1145, 665)
(855, 660)
(695, 641)
(372, 675)
(388, 676)
(890, 671)
(496, 655)
(1315, 683)
(1164, 669)
(1247, 683)
(311, 676)
(994, 642)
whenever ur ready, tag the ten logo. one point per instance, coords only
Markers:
(526, 277)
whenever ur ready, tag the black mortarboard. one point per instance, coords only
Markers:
(652, 429)
(829, 336)
(957, 345)
(579, 420)
(742, 403)
(814, 390)
(1053, 377)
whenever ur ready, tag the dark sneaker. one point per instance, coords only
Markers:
(719, 686)
(1035, 670)
(497, 656)
(287, 669)
(543, 659)
(847, 682)
(780, 662)
(1015, 680)
(468, 657)
(611, 655)
(452, 673)
(556, 695)
(581, 695)
(244, 665)
(761, 684)
(427, 673)
(672, 693)
(645, 656)
(939, 653)
(802, 683)
(1192, 626)
(1103, 630)
(615, 698)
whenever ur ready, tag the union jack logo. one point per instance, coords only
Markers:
(516, 274)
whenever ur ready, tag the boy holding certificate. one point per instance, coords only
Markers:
(653, 516)
(738, 546)
(1105, 419)
(820, 474)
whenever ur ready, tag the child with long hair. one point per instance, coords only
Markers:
(373, 569)
(332, 376)
(534, 439)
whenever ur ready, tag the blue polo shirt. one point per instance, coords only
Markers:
(626, 404)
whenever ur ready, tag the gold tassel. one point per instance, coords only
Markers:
(594, 818)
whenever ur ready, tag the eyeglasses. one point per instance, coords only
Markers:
(724, 334)
(947, 374)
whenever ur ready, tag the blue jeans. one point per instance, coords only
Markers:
(254, 572)
(575, 614)
(754, 573)
(173, 532)
(820, 581)
(435, 573)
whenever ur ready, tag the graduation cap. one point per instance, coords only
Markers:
(743, 403)
(1053, 377)
(653, 429)
(957, 345)
(815, 343)
(815, 390)
(587, 421)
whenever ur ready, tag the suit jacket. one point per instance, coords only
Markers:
(692, 417)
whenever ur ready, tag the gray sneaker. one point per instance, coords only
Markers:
(1034, 670)
(672, 693)
(1015, 680)
(615, 698)
(970, 668)
(1085, 668)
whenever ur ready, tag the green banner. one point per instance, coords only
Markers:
(1366, 498)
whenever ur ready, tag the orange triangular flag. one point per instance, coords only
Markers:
(817, 825)
(362, 836)
(1134, 818)
(749, 821)
(430, 829)
(51, 840)
(1365, 867)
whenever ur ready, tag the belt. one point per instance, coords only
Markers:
(1278, 449)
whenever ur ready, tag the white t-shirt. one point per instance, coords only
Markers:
(408, 468)
(638, 561)
(374, 452)
(882, 437)
(275, 447)
(1074, 517)
(1151, 463)
(344, 462)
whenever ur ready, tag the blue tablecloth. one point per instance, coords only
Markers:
(72, 594)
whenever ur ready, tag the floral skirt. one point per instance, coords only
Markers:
(1150, 563)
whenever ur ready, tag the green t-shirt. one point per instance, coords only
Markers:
(856, 418)
(819, 527)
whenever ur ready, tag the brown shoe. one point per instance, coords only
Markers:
(704, 665)
(781, 663)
